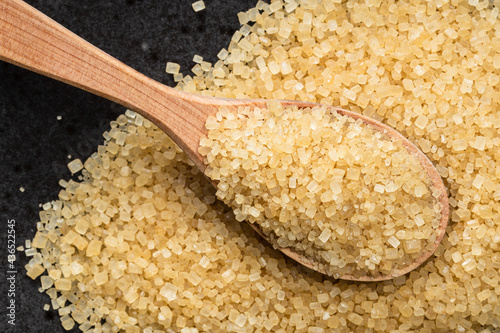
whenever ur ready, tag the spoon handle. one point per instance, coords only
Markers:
(30, 39)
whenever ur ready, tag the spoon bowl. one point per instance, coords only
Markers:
(33, 41)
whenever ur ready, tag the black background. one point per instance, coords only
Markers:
(34, 145)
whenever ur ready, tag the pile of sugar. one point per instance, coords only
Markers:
(330, 188)
(429, 69)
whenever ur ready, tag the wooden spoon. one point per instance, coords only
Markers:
(32, 40)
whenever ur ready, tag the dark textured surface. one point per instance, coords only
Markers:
(34, 145)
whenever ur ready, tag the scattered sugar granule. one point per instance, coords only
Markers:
(75, 165)
(198, 6)
(172, 68)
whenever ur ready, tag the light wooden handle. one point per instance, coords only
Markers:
(30, 39)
